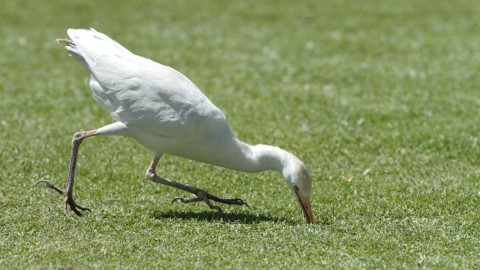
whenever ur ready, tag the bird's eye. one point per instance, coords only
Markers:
(296, 188)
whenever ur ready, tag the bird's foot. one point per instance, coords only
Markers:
(68, 200)
(204, 196)
(73, 206)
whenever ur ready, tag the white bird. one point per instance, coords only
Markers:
(166, 113)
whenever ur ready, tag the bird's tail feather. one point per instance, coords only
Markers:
(73, 51)
(69, 45)
(65, 42)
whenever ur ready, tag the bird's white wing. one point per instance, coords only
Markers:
(141, 92)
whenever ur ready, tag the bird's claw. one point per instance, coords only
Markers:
(50, 185)
(68, 200)
(238, 201)
(74, 207)
(183, 200)
(206, 197)
(198, 199)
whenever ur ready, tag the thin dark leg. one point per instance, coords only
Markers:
(202, 195)
(68, 193)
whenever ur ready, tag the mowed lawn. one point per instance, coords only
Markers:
(380, 99)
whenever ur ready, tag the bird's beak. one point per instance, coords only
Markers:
(307, 209)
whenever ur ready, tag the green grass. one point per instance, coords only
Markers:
(379, 98)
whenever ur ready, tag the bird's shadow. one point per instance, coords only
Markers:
(245, 218)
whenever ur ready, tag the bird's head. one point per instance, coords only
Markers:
(299, 182)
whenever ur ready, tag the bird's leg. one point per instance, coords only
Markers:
(68, 192)
(202, 195)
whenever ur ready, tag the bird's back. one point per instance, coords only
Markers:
(140, 92)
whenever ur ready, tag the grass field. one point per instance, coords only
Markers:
(380, 99)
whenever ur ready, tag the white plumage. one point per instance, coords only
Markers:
(166, 113)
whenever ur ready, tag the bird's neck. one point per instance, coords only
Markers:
(257, 158)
